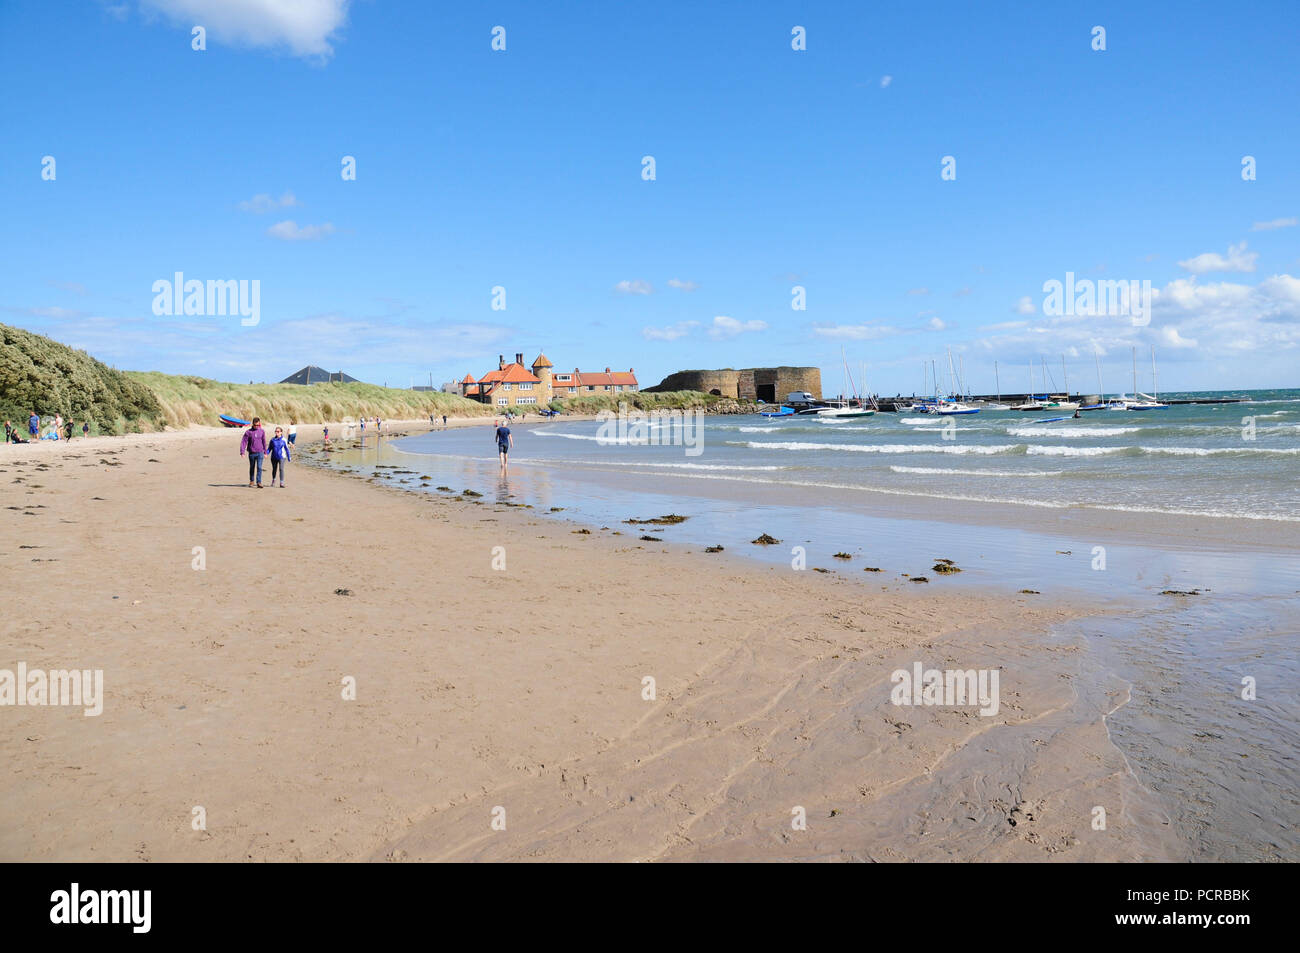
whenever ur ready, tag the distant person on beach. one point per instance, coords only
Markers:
(33, 425)
(327, 436)
(254, 444)
(58, 426)
(9, 431)
(505, 441)
(279, 456)
(444, 420)
(85, 429)
(363, 428)
(293, 432)
(68, 424)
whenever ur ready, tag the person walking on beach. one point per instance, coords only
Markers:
(363, 428)
(85, 429)
(279, 456)
(293, 432)
(254, 444)
(327, 436)
(9, 429)
(58, 426)
(444, 421)
(33, 425)
(505, 441)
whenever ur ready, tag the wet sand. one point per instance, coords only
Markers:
(522, 689)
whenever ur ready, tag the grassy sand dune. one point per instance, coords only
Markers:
(196, 400)
(39, 374)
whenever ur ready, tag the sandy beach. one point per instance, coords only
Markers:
(515, 695)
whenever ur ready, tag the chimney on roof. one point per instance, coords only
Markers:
(519, 358)
(501, 362)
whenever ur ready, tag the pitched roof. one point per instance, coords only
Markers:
(511, 373)
(311, 374)
(605, 378)
(469, 379)
(542, 361)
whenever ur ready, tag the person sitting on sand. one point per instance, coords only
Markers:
(279, 455)
(505, 440)
(254, 444)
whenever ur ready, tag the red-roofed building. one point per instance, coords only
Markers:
(514, 385)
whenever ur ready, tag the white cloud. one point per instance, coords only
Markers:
(1238, 259)
(262, 202)
(637, 287)
(855, 332)
(54, 312)
(682, 285)
(291, 231)
(76, 287)
(885, 81)
(670, 333)
(1025, 306)
(918, 291)
(306, 27)
(725, 327)
(1275, 223)
(936, 324)
(1202, 321)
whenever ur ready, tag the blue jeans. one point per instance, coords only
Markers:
(254, 464)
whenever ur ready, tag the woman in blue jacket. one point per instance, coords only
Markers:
(279, 455)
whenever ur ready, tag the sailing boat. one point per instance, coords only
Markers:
(997, 404)
(1030, 403)
(848, 412)
(1101, 401)
(1148, 402)
(1059, 402)
(950, 406)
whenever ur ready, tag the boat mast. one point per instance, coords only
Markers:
(997, 382)
(1065, 378)
(1135, 373)
(1155, 390)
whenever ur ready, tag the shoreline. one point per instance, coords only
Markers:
(478, 688)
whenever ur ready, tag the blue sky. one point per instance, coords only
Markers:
(774, 168)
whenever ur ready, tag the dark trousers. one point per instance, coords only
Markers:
(254, 465)
(278, 466)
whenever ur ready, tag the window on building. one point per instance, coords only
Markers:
(526, 385)
(502, 401)
(506, 386)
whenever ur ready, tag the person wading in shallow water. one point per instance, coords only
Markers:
(505, 440)
(254, 444)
